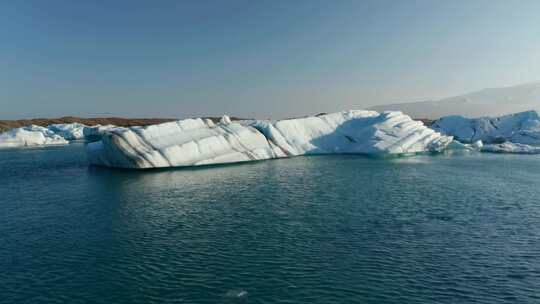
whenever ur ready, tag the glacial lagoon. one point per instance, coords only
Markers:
(439, 228)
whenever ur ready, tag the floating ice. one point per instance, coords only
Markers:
(94, 133)
(365, 132)
(71, 131)
(33, 135)
(236, 293)
(182, 143)
(30, 136)
(459, 147)
(193, 142)
(523, 128)
(509, 147)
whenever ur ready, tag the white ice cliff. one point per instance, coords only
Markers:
(194, 142)
(520, 128)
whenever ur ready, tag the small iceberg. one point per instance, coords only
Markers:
(55, 134)
(509, 147)
(30, 136)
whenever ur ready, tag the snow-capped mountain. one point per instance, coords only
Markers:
(487, 102)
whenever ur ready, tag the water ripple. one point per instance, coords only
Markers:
(336, 229)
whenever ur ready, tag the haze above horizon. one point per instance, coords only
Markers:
(256, 58)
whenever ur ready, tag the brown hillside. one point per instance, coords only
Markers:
(117, 121)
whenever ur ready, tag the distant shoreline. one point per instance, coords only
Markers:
(6, 125)
(117, 121)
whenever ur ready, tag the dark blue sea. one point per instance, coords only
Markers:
(322, 229)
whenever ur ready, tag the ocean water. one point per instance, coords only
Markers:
(325, 229)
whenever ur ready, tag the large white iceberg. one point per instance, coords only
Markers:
(522, 128)
(30, 136)
(193, 142)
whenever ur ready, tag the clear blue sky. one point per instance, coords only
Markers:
(256, 58)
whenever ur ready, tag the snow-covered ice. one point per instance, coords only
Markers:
(30, 136)
(456, 147)
(181, 143)
(194, 142)
(34, 135)
(225, 120)
(365, 132)
(94, 133)
(71, 131)
(522, 128)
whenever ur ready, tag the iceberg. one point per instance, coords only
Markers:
(193, 142)
(71, 131)
(30, 136)
(95, 133)
(55, 134)
(520, 128)
(188, 142)
(456, 147)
